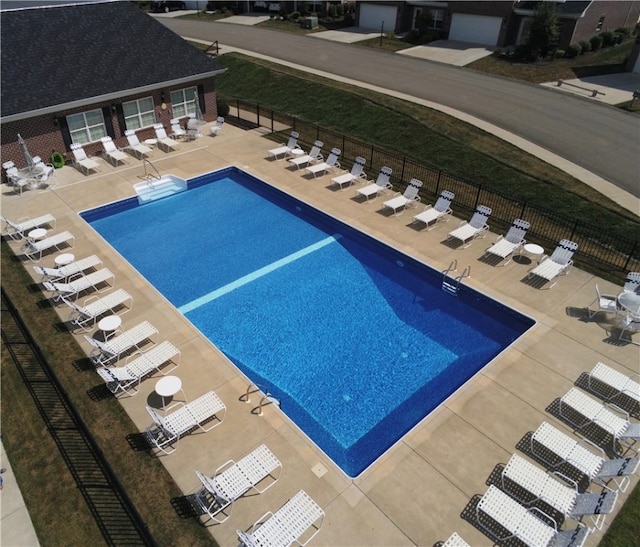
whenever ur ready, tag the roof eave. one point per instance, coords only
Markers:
(53, 109)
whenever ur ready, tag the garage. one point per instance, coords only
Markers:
(373, 15)
(480, 29)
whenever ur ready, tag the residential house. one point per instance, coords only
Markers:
(73, 73)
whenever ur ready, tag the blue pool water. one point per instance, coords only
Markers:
(356, 340)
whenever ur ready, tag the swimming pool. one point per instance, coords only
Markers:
(357, 341)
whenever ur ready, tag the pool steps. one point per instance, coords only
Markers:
(153, 189)
(451, 285)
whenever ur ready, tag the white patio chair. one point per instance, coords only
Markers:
(216, 127)
(632, 283)
(604, 302)
(438, 212)
(125, 380)
(257, 471)
(166, 431)
(285, 149)
(619, 383)
(82, 161)
(403, 201)
(476, 227)
(381, 185)
(112, 152)
(506, 246)
(329, 164)
(63, 273)
(314, 155)
(568, 450)
(557, 264)
(454, 540)
(177, 131)
(164, 142)
(135, 146)
(34, 250)
(526, 525)
(356, 173)
(105, 353)
(80, 284)
(18, 229)
(562, 497)
(86, 315)
(297, 521)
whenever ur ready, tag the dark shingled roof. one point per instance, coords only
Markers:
(573, 8)
(60, 55)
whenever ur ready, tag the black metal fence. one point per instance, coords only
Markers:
(606, 252)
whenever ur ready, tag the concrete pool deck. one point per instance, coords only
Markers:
(416, 492)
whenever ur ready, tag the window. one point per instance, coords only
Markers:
(139, 113)
(600, 23)
(86, 126)
(436, 18)
(183, 102)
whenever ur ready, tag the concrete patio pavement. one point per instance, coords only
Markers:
(416, 492)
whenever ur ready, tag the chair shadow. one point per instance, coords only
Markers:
(487, 525)
(452, 243)
(100, 393)
(83, 364)
(138, 442)
(186, 507)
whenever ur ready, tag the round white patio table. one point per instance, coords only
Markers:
(630, 301)
(168, 387)
(37, 234)
(64, 259)
(109, 324)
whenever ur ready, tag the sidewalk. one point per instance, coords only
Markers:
(16, 527)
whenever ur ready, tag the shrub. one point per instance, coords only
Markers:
(574, 50)
(560, 53)
(349, 20)
(624, 31)
(585, 45)
(223, 108)
(596, 42)
(294, 16)
(617, 38)
(523, 53)
(607, 38)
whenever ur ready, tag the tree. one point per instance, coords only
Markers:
(544, 31)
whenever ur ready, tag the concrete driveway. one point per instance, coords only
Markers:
(450, 52)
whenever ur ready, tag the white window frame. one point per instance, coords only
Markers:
(183, 101)
(136, 121)
(89, 132)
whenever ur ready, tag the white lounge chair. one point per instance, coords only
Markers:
(163, 140)
(79, 284)
(94, 307)
(454, 540)
(524, 524)
(408, 199)
(11, 171)
(569, 450)
(104, 353)
(135, 146)
(297, 521)
(602, 415)
(63, 273)
(257, 471)
(604, 302)
(557, 264)
(18, 229)
(112, 152)
(632, 283)
(216, 127)
(562, 497)
(476, 227)
(286, 149)
(330, 163)
(165, 431)
(34, 250)
(381, 185)
(505, 246)
(314, 155)
(616, 383)
(177, 131)
(125, 379)
(82, 161)
(435, 213)
(356, 173)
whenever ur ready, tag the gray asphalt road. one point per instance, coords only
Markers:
(600, 138)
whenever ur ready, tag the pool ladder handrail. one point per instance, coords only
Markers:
(267, 398)
(150, 176)
(452, 286)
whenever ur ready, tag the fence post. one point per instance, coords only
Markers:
(371, 156)
(438, 182)
(633, 250)
(524, 206)
(404, 162)
(573, 231)
(258, 113)
(478, 197)
(293, 123)
(272, 120)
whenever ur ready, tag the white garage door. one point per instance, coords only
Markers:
(372, 16)
(480, 29)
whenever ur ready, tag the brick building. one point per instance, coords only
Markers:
(76, 73)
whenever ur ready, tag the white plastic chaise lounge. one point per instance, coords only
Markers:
(454, 540)
(82, 283)
(330, 163)
(356, 173)
(112, 152)
(616, 383)
(82, 161)
(163, 141)
(166, 431)
(603, 415)
(216, 127)
(382, 184)
(562, 497)
(438, 212)
(94, 307)
(286, 149)
(476, 227)
(177, 131)
(125, 379)
(34, 250)
(530, 526)
(105, 353)
(557, 264)
(505, 246)
(314, 155)
(18, 229)
(566, 449)
(63, 273)
(632, 283)
(297, 521)
(257, 472)
(138, 149)
(43, 172)
(403, 201)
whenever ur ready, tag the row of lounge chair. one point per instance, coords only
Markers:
(526, 493)
(34, 177)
